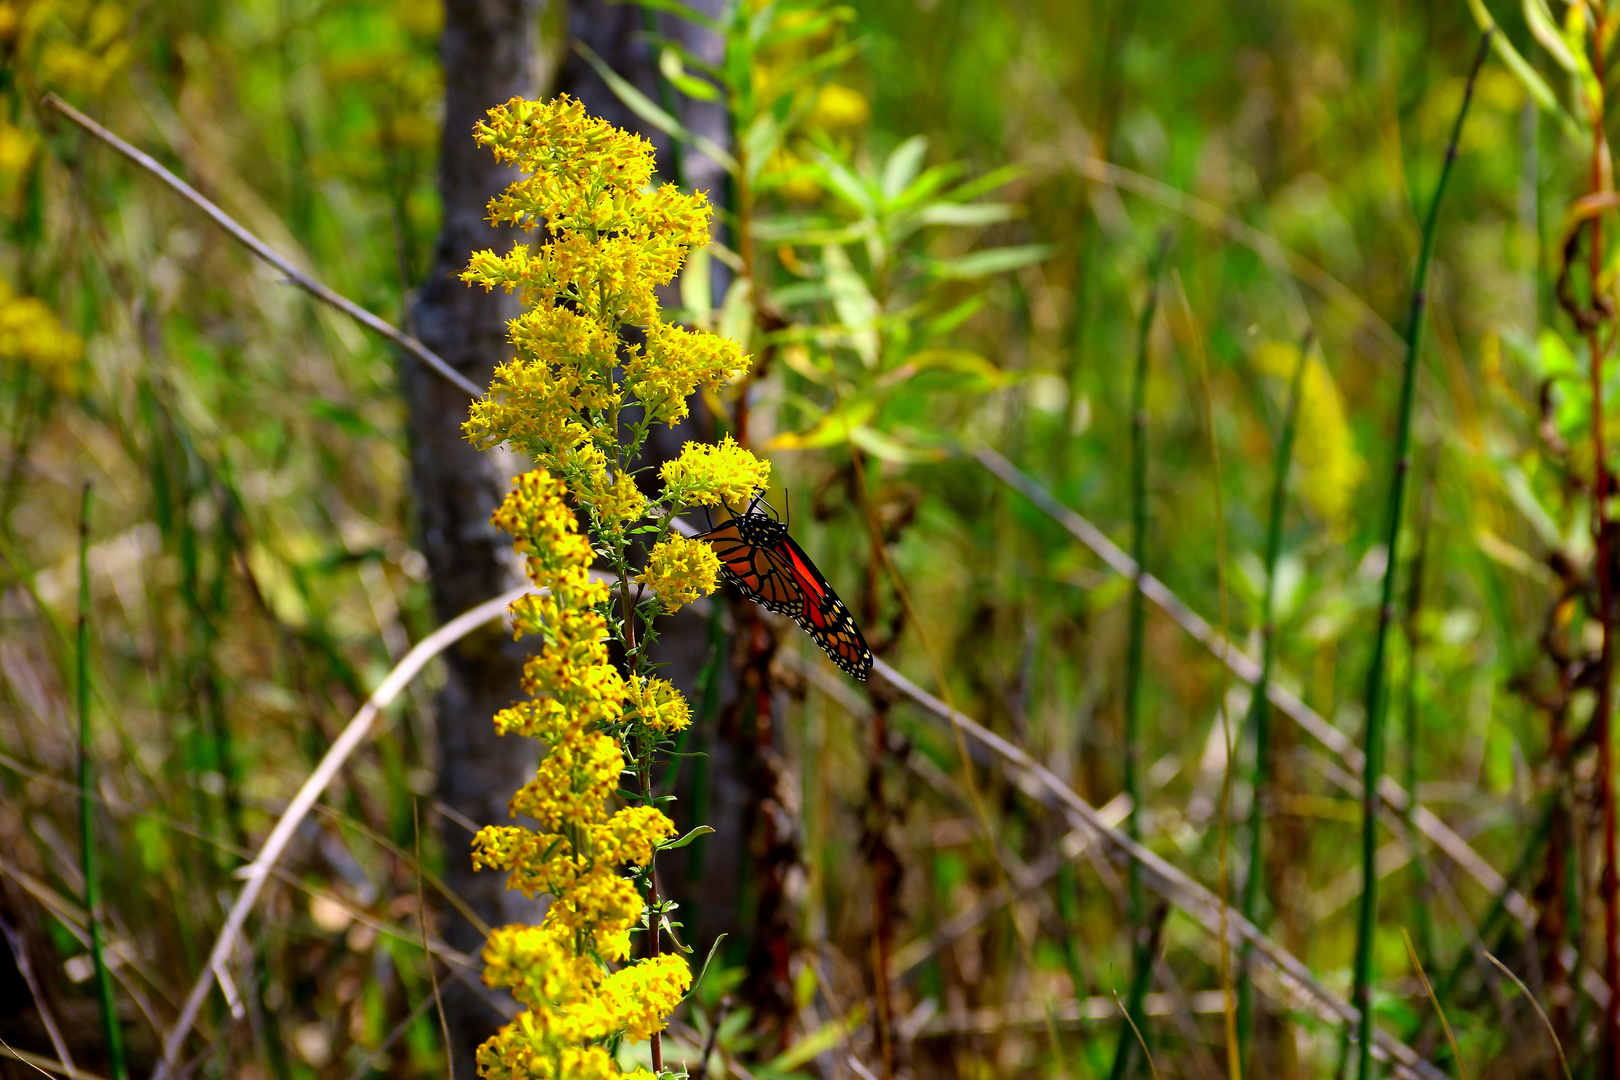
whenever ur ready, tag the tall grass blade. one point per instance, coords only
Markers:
(1133, 655)
(1367, 922)
(113, 1033)
(1423, 979)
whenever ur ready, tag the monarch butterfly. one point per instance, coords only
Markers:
(759, 557)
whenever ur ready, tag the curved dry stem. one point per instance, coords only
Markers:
(258, 872)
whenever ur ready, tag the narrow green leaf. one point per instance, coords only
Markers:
(643, 106)
(684, 11)
(902, 167)
(950, 213)
(977, 264)
(672, 845)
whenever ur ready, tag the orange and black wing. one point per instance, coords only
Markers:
(823, 616)
(781, 577)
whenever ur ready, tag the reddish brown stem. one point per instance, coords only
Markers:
(653, 950)
(1610, 880)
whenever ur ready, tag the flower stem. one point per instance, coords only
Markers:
(1133, 655)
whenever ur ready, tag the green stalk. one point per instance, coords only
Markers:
(1139, 528)
(1133, 655)
(1147, 951)
(1409, 710)
(87, 835)
(1373, 748)
(1260, 705)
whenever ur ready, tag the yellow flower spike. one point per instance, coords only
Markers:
(707, 475)
(680, 570)
(605, 241)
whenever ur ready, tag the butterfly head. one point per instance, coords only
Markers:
(760, 529)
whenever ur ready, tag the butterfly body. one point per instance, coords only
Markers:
(759, 557)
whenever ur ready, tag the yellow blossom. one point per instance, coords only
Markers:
(1326, 446)
(709, 475)
(674, 364)
(616, 501)
(32, 335)
(680, 570)
(660, 706)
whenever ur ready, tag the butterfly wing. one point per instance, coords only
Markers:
(780, 576)
(756, 570)
(823, 615)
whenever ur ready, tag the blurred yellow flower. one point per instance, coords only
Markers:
(837, 107)
(1324, 444)
(32, 336)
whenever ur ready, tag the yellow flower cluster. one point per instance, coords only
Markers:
(577, 850)
(681, 570)
(611, 240)
(675, 363)
(706, 475)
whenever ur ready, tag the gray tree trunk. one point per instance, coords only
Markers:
(489, 49)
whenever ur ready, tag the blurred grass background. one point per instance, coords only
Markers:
(255, 568)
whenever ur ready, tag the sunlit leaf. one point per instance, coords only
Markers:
(901, 168)
(989, 261)
(834, 428)
(965, 214)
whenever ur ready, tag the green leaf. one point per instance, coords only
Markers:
(643, 106)
(671, 845)
(832, 1033)
(853, 301)
(761, 139)
(888, 448)
(1545, 29)
(713, 948)
(836, 427)
(991, 261)
(1534, 84)
(901, 168)
(684, 11)
(671, 67)
(959, 214)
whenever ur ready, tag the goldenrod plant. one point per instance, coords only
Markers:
(596, 369)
